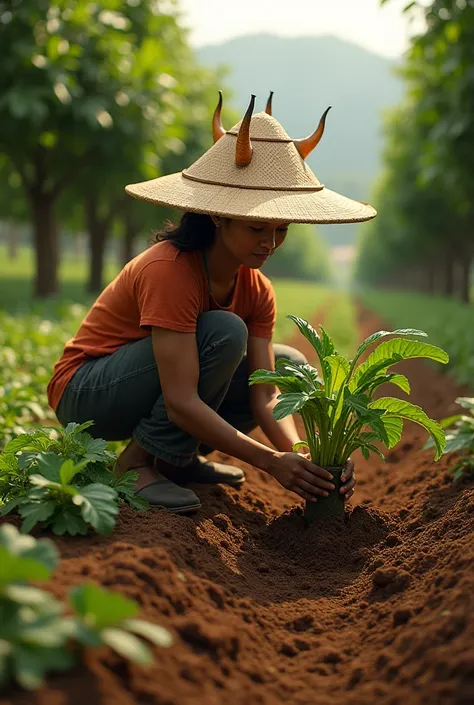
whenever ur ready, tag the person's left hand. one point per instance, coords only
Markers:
(348, 479)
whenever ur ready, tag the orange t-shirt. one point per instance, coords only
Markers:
(162, 287)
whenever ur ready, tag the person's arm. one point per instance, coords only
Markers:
(177, 359)
(263, 397)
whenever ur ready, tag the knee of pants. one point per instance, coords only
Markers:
(286, 351)
(223, 330)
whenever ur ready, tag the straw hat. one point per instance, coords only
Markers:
(254, 171)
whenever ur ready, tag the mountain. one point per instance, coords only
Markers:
(307, 75)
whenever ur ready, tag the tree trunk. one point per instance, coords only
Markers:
(13, 240)
(449, 275)
(46, 240)
(465, 288)
(97, 230)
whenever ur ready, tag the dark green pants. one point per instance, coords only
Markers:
(122, 394)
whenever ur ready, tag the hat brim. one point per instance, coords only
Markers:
(324, 206)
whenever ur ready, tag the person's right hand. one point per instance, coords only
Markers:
(298, 474)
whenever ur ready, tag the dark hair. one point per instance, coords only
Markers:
(195, 231)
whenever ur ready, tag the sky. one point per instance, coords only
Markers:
(383, 30)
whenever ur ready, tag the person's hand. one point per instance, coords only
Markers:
(297, 473)
(348, 479)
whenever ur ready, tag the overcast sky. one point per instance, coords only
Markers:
(383, 30)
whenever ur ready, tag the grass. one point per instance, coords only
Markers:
(447, 322)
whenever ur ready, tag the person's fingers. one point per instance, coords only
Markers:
(348, 495)
(305, 495)
(348, 470)
(316, 470)
(348, 486)
(311, 488)
(315, 480)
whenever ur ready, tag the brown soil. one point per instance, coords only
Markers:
(374, 609)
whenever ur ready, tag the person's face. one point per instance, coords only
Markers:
(250, 242)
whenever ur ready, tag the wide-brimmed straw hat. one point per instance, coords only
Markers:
(254, 171)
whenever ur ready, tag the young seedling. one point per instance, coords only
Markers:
(460, 438)
(337, 406)
(35, 635)
(61, 478)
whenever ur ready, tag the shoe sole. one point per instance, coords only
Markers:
(179, 510)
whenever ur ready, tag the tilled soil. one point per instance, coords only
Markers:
(376, 608)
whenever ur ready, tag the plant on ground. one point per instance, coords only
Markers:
(336, 403)
(37, 471)
(460, 438)
(35, 635)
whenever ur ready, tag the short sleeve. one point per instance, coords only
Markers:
(168, 295)
(261, 324)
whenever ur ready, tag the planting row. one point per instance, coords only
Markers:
(447, 321)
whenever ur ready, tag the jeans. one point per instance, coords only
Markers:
(122, 394)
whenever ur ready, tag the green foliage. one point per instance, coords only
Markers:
(422, 236)
(336, 402)
(35, 636)
(448, 321)
(36, 479)
(460, 438)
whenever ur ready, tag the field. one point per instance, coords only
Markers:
(374, 608)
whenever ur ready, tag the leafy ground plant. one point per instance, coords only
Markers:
(460, 438)
(336, 403)
(35, 635)
(60, 478)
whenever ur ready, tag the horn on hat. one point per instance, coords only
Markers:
(217, 129)
(268, 109)
(243, 148)
(306, 145)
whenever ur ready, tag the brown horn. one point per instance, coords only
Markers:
(243, 148)
(217, 128)
(305, 146)
(268, 109)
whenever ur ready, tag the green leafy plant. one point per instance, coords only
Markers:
(460, 438)
(35, 635)
(336, 403)
(60, 478)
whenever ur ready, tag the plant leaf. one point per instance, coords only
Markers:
(337, 369)
(404, 409)
(289, 404)
(100, 608)
(69, 521)
(153, 632)
(383, 334)
(391, 351)
(69, 470)
(324, 346)
(98, 505)
(466, 402)
(127, 645)
(33, 512)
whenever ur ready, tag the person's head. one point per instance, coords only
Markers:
(249, 242)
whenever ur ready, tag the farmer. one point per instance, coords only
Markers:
(164, 354)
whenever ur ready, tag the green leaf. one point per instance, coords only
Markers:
(356, 402)
(466, 402)
(32, 664)
(404, 409)
(297, 446)
(41, 552)
(274, 378)
(400, 381)
(383, 334)
(125, 486)
(127, 645)
(336, 370)
(93, 449)
(391, 351)
(101, 608)
(98, 505)
(324, 345)
(33, 512)
(49, 465)
(69, 521)
(69, 470)
(289, 404)
(74, 429)
(153, 632)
